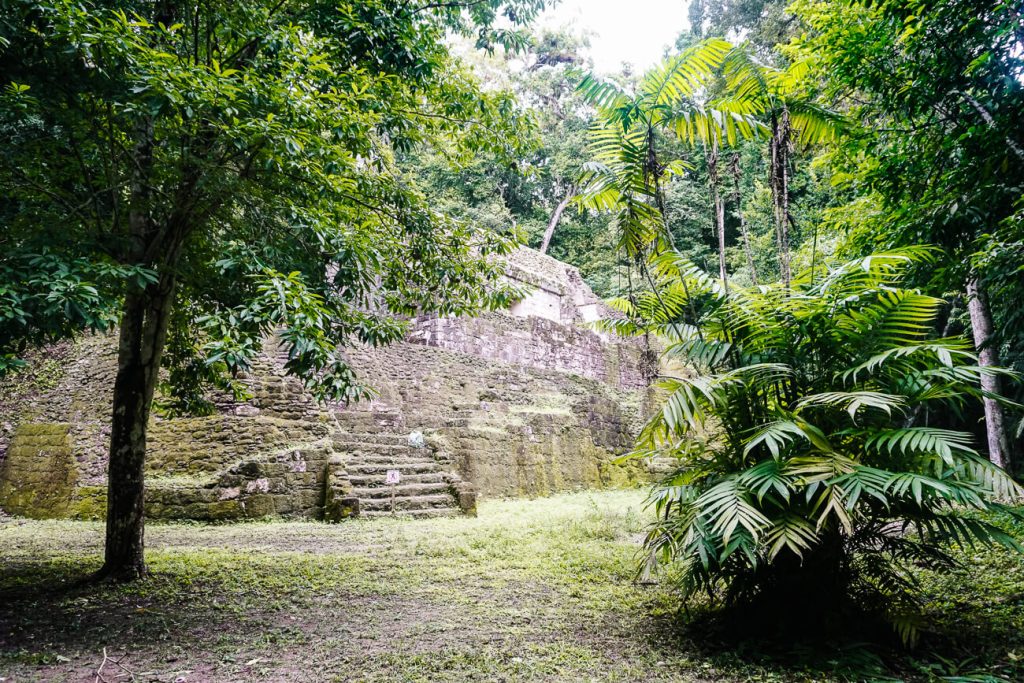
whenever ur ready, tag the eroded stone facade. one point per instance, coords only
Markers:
(525, 402)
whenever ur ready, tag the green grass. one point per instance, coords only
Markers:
(536, 590)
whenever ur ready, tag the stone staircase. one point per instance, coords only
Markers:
(370, 443)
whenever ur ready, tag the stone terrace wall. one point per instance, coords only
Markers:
(263, 456)
(538, 343)
(510, 430)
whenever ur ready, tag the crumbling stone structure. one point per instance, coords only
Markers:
(518, 403)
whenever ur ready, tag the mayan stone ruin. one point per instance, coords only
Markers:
(522, 402)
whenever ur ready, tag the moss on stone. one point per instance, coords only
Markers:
(89, 503)
(550, 420)
(38, 475)
(259, 506)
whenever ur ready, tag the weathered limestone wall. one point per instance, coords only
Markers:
(510, 430)
(538, 343)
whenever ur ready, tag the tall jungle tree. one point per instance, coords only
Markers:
(792, 117)
(713, 93)
(223, 171)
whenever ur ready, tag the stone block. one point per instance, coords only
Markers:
(337, 509)
(465, 495)
(258, 506)
(39, 473)
(89, 503)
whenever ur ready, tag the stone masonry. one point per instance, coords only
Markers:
(518, 403)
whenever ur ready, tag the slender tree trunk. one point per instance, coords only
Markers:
(143, 333)
(735, 168)
(988, 356)
(719, 208)
(555, 217)
(142, 337)
(780, 190)
(651, 176)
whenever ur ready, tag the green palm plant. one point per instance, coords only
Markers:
(628, 170)
(814, 466)
(778, 97)
(710, 95)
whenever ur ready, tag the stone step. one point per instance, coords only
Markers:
(374, 480)
(440, 500)
(370, 416)
(375, 439)
(383, 459)
(375, 448)
(424, 467)
(368, 424)
(425, 513)
(372, 433)
(403, 490)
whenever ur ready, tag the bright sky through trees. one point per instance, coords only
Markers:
(637, 35)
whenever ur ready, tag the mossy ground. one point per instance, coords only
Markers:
(537, 590)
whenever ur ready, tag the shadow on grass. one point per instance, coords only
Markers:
(192, 602)
(54, 608)
(972, 644)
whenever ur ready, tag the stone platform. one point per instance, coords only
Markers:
(519, 403)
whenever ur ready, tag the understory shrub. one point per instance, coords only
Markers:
(810, 425)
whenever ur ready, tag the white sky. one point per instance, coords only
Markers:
(634, 31)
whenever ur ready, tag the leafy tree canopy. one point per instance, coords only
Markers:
(206, 175)
(249, 151)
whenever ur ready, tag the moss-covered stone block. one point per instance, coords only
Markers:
(341, 508)
(259, 506)
(339, 503)
(89, 503)
(465, 495)
(38, 475)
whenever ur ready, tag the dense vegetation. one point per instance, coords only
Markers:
(204, 175)
(816, 459)
(812, 475)
(817, 206)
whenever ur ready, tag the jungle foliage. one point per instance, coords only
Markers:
(815, 467)
(206, 174)
(823, 422)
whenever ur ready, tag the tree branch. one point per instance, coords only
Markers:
(447, 5)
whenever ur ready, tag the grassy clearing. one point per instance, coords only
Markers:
(530, 591)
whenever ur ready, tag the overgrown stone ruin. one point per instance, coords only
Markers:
(518, 403)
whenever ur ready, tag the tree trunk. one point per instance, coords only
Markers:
(780, 190)
(140, 346)
(991, 122)
(735, 167)
(555, 217)
(719, 207)
(988, 356)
